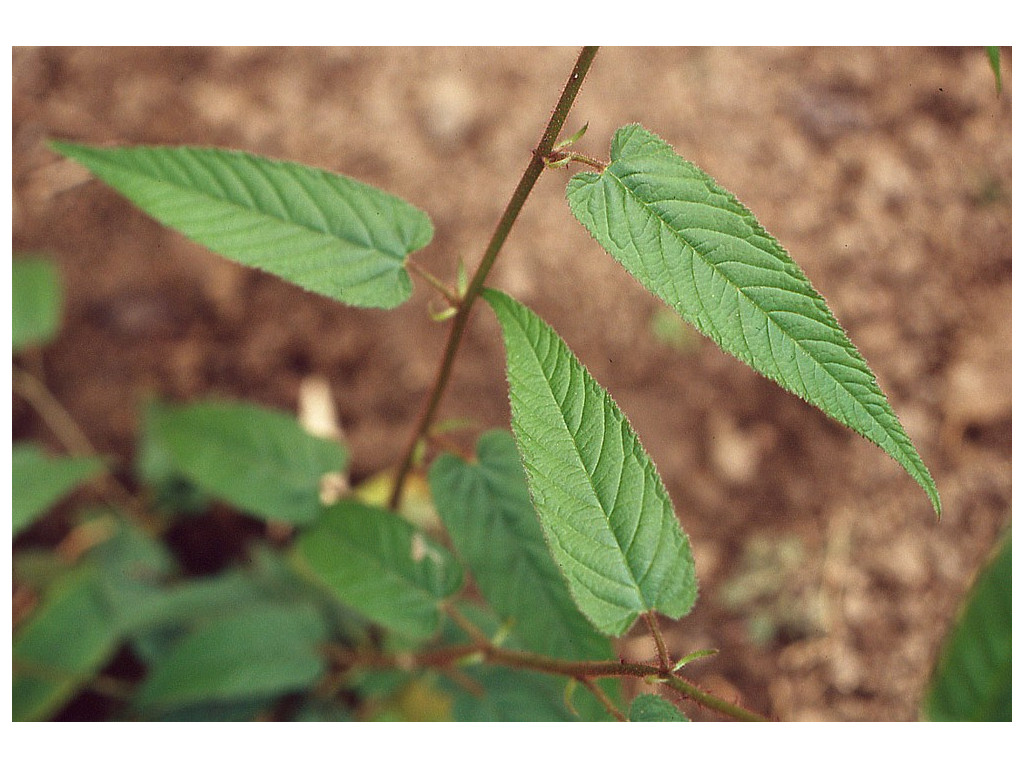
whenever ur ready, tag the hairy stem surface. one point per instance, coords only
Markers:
(483, 650)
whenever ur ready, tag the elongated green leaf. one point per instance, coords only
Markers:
(65, 642)
(651, 708)
(381, 566)
(259, 460)
(39, 481)
(487, 510)
(322, 231)
(605, 513)
(36, 300)
(257, 651)
(693, 245)
(993, 61)
(973, 679)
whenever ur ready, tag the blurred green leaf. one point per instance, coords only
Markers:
(322, 712)
(65, 642)
(36, 302)
(172, 492)
(39, 481)
(651, 708)
(973, 678)
(510, 695)
(218, 712)
(259, 650)
(993, 61)
(382, 566)
(322, 231)
(487, 510)
(256, 459)
(132, 569)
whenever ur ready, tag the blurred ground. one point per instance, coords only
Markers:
(826, 582)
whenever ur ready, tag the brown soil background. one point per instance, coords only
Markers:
(826, 582)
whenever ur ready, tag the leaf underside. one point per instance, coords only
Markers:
(486, 508)
(606, 515)
(693, 245)
(324, 232)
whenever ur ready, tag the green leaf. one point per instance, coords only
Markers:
(261, 650)
(510, 695)
(693, 245)
(322, 231)
(973, 679)
(36, 302)
(62, 645)
(381, 566)
(993, 61)
(39, 481)
(651, 708)
(605, 513)
(133, 568)
(487, 510)
(256, 459)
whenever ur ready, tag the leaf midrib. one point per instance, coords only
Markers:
(241, 208)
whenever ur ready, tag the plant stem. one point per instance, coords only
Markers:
(52, 412)
(450, 656)
(476, 284)
(659, 641)
(691, 691)
(437, 284)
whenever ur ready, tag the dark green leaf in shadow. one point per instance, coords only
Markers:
(260, 650)
(486, 507)
(65, 642)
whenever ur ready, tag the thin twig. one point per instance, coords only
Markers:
(434, 281)
(60, 422)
